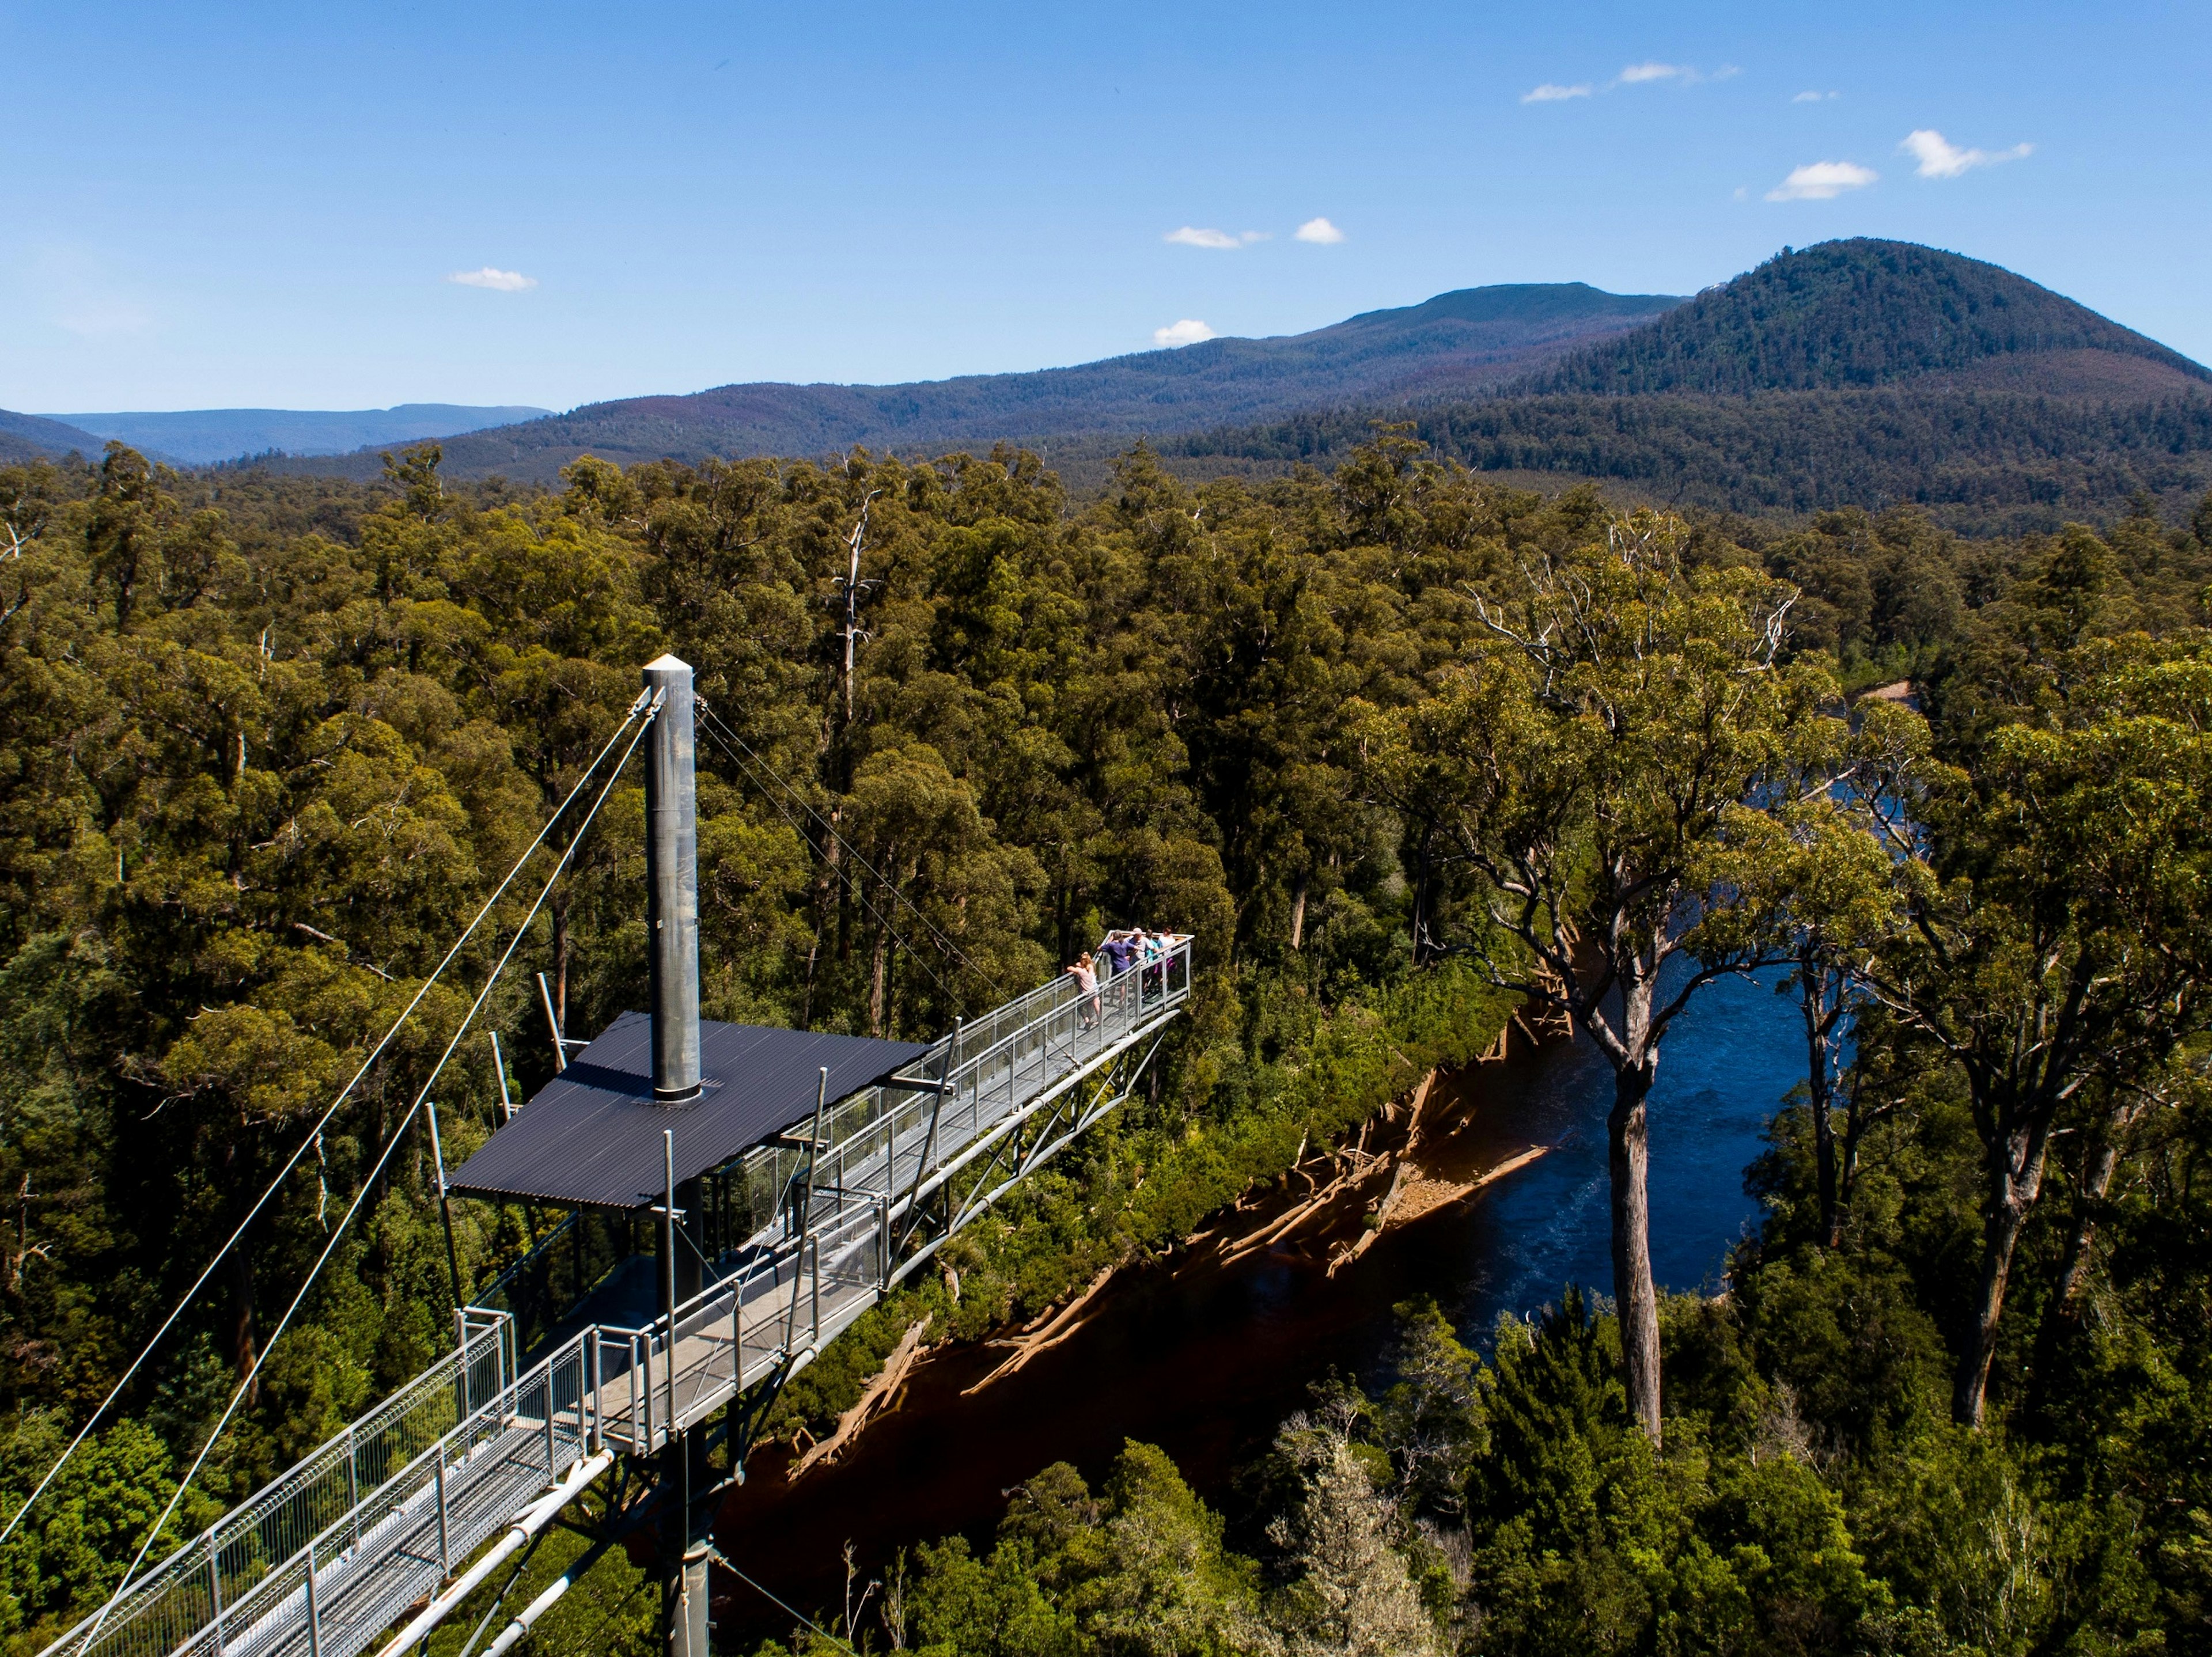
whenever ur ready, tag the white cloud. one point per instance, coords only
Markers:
(92, 317)
(73, 289)
(1320, 230)
(499, 282)
(1189, 331)
(1552, 93)
(1635, 74)
(1190, 236)
(1820, 181)
(1940, 158)
(1814, 97)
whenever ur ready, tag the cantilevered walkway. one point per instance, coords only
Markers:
(348, 1546)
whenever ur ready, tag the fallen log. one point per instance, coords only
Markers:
(1065, 1322)
(1345, 1253)
(1424, 1196)
(876, 1394)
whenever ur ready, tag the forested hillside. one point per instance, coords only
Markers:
(266, 742)
(1452, 344)
(1860, 312)
(30, 437)
(1859, 373)
(1985, 461)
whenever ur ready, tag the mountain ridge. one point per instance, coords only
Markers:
(1464, 340)
(36, 437)
(1856, 373)
(199, 437)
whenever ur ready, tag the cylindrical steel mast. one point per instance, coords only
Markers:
(672, 879)
(671, 882)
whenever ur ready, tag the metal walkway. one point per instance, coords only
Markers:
(361, 1531)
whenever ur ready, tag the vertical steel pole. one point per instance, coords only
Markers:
(668, 1265)
(314, 1609)
(445, 1560)
(445, 1214)
(671, 861)
(598, 1406)
(672, 876)
(499, 1065)
(813, 1151)
(215, 1588)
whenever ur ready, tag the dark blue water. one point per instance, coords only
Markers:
(1205, 1362)
(1724, 1069)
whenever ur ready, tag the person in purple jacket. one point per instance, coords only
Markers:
(1119, 949)
(1117, 954)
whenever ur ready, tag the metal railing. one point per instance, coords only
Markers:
(205, 1587)
(335, 1550)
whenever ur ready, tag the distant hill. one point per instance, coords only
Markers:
(34, 437)
(1862, 372)
(199, 437)
(1858, 372)
(1867, 312)
(1452, 345)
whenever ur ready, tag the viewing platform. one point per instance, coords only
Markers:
(846, 1185)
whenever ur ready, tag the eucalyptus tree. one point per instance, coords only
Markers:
(2061, 935)
(1586, 758)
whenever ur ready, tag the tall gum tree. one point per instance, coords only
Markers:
(1582, 758)
(2061, 935)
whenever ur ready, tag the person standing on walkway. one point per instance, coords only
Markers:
(1086, 985)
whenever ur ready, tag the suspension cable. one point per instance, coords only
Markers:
(860, 890)
(315, 1132)
(369, 1183)
(830, 828)
(723, 1560)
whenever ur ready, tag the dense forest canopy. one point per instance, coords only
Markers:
(1980, 461)
(267, 741)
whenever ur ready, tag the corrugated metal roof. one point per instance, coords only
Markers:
(592, 1134)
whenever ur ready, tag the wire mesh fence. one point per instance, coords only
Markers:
(211, 1580)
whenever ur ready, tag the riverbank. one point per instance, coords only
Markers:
(1327, 1210)
(1201, 1347)
(1205, 1357)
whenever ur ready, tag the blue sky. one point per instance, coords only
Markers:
(227, 204)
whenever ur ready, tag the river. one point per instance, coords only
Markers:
(1206, 1362)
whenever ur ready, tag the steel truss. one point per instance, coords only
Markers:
(960, 1192)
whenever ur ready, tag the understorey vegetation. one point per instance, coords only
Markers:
(266, 743)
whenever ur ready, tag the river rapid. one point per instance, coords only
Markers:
(1207, 1361)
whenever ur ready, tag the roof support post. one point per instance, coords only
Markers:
(672, 879)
